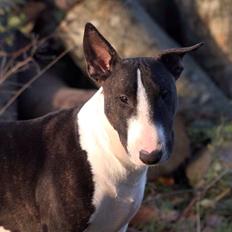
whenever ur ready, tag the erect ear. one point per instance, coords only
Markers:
(99, 54)
(172, 58)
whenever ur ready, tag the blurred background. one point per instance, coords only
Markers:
(42, 69)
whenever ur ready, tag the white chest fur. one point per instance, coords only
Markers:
(116, 206)
(119, 185)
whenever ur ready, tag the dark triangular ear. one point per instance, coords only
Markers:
(99, 54)
(172, 58)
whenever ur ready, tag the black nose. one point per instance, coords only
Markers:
(150, 158)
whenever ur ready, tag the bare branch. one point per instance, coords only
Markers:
(20, 91)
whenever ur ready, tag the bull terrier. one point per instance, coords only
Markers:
(84, 169)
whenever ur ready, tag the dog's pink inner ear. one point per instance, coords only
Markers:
(99, 54)
(98, 57)
(100, 64)
(103, 57)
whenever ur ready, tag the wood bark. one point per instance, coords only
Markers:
(212, 18)
(133, 33)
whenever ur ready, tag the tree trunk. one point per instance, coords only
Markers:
(212, 18)
(133, 33)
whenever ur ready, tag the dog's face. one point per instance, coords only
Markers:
(139, 95)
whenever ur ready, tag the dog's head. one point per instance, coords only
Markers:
(139, 95)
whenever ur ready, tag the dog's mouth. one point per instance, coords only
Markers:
(151, 158)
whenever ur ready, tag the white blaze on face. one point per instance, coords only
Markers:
(142, 133)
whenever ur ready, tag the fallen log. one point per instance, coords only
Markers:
(213, 22)
(49, 93)
(133, 33)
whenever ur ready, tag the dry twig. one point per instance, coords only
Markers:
(5, 74)
(200, 193)
(21, 90)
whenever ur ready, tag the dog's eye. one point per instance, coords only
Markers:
(123, 99)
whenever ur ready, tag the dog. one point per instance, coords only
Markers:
(84, 169)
